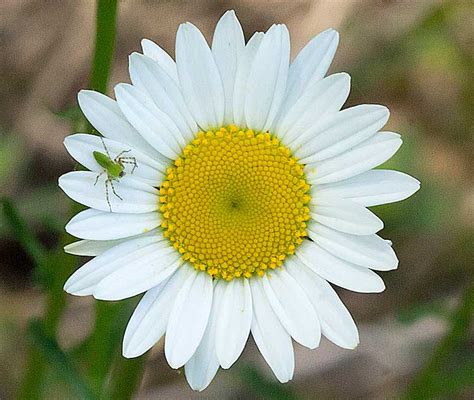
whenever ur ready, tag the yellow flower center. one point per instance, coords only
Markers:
(235, 203)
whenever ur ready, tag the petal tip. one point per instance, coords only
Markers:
(67, 286)
(135, 56)
(85, 95)
(74, 289)
(61, 185)
(174, 363)
(120, 87)
(332, 32)
(352, 346)
(229, 13)
(128, 352)
(225, 363)
(145, 42)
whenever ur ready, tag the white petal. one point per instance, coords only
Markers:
(148, 322)
(140, 274)
(145, 322)
(241, 77)
(320, 99)
(91, 247)
(135, 196)
(199, 77)
(337, 271)
(266, 83)
(311, 64)
(344, 215)
(188, 318)
(336, 322)
(99, 225)
(105, 115)
(157, 54)
(365, 156)
(340, 132)
(153, 124)
(83, 281)
(150, 78)
(233, 325)
(270, 337)
(228, 45)
(367, 251)
(81, 147)
(373, 187)
(293, 308)
(203, 365)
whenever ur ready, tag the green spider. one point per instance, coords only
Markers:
(114, 168)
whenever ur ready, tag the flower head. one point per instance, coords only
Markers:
(230, 188)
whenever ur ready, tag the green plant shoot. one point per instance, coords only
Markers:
(113, 168)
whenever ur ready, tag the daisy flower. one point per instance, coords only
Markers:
(232, 190)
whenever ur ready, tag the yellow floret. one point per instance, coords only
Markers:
(234, 203)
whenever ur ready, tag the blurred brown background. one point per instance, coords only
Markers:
(416, 57)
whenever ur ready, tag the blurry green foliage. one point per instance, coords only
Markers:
(73, 115)
(23, 234)
(53, 268)
(59, 361)
(449, 371)
(414, 312)
(430, 208)
(262, 387)
(12, 158)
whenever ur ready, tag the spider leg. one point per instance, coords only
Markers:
(97, 178)
(107, 194)
(113, 189)
(119, 156)
(105, 147)
(129, 160)
(135, 165)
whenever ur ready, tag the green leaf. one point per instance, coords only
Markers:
(23, 234)
(59, 361)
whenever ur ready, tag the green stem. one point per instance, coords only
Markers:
(104, 343)
(125, 378)
(107, 366)
(55, 301)
(104, 44)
